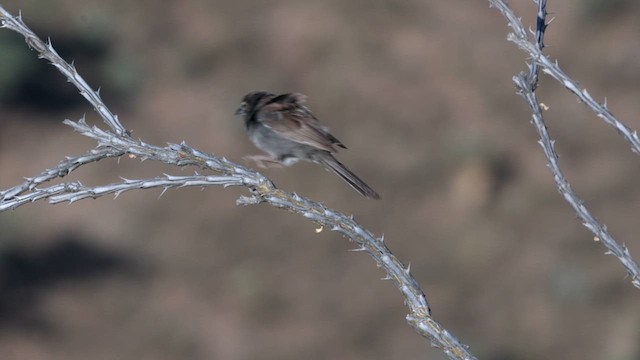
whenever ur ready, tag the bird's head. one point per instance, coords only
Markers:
(251, 101)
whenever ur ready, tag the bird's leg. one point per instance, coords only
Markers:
(263, 161)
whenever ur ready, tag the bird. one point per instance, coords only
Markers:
(287, 131)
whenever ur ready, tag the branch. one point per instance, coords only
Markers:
(118, 142)
(541, 27)
(519, 37)
(74, 191)
(588, 220)
(526, 85)
(63, 169)
(46, 51)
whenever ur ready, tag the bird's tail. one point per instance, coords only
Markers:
(354, 181)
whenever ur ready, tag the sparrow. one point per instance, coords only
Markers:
(285, 129)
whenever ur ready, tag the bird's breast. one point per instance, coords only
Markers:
(276, 145)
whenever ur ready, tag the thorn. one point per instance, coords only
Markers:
(362, 248)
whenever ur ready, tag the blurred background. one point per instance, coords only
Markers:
(419, 91)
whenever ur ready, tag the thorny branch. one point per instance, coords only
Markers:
(118, 142)
(46, 51)
(526, 85)
(520, 37)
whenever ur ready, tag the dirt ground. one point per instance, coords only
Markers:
(420, 91)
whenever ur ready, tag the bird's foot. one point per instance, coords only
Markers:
(263, 161)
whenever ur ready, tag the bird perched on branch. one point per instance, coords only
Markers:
(287, 131)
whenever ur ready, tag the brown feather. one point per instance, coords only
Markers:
(285, 129)
(291, 120)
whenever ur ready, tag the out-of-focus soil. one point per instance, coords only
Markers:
(420, 92)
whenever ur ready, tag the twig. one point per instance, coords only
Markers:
(520, 38)
(46, 51)
(63, 169)
(526, 84)
(588, 220)
(541, 26)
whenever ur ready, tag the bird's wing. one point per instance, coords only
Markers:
(286, 115)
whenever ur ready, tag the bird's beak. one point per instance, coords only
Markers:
(242, 110)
